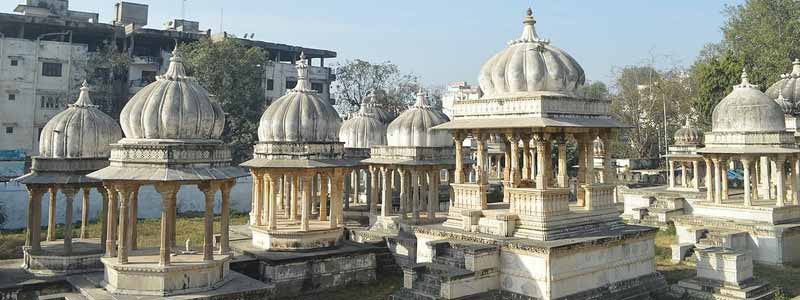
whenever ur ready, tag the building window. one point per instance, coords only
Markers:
(290, 84)
(10, 130)
(148, 76)
(317, 87)
(12, 97)
(51, 69)
(270, 84)
(14, 62)
(50, 102)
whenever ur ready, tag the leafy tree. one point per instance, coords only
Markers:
(108, 71)
(712, 79)
(594, 90)
(357, 78)
(233, 73)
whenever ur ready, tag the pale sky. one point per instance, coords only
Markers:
(445, 40)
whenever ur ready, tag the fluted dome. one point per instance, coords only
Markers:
(747, 109)
(530, 65)
(301, 115)
(80, 131)
(374, 107)
(688, 135)
(175, 106)
(411, 128)
(362, 130)
(786, 92)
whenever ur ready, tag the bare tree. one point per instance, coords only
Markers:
(357, 78)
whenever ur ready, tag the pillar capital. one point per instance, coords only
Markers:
(208, 187)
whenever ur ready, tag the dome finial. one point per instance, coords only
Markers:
(84, 100)
(796, 67)
(175, 70)
(529, 31)
(422, 100)
(303, 85)
(745, 82)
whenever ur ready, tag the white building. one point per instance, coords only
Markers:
(457, 91)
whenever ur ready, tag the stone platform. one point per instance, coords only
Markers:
(53, 260)
(288, 236)
(187, 273)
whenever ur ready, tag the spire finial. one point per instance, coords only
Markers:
(529, 31)
(530, 12)
(175, 70)
(83, 99)
(745, 81)
(303, 85)
(796, 67)
(422, 100)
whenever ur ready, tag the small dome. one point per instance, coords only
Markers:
(411, 128)
(301, 115)
(688, 135)
(363, 130)
(786, 92)
(374, 107)
(80, 131)
(746, 109)
(598, 148)
(175, 106)
(528, 65)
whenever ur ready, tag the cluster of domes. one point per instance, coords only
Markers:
(174, 107)
(412, 127)
(373, 106)
(364, 129)
(530, 65)
(786, 92)
(301, 115)
(747, 109)
(80, 131)
(688, 135)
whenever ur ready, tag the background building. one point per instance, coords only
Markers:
(457, 91)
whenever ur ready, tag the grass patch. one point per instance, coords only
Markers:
(378, 290)
(149, 232)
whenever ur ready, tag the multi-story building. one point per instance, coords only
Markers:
(46, 50)
(457, 91)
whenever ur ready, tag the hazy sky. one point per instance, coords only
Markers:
(446, 40)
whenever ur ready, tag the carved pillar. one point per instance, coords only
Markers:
(295, 197)
(709, 180)
(169, 194)
(563, 178)
(610, 176)
(306, 206)
(274, 181)
(69, 197)
(259, 190)
(480, 170)
(356, 186)
(433, 193)
(695, 173)
(51, 215)
(541, 173)
(286, 193)
(133, 207)
(33, 238)
(387, 191)
(225, 216)
(102, 216)
(671, 170)
(746, 181)
(268, 190)
(403, 191)
(323, 197)
(414, 194)
(717, 180)
(458, 139)
(373, 191)
(526, 158)
(780, 191)
(85, 212)
(684, 175)
(337, 197)
(111, 233)
(209, 189)
(124, 191)
(724, 173)
(515, 176)
(796, 173)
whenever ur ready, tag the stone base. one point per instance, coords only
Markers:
(278, 240)
(186, 274)
(52, 260)
(701, 289)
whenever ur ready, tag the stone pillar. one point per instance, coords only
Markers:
(295, 197)
(414, 195)
(780, 170)
(708, 180)
(323, 197)
(209, 189)
(225, 216)
(796, 173)
(337, 197)
(695, 173)
(764, 174)
(169, 193)
(111, 233)
(265, 194)
(684, 175)
(33, 237)
(124, 218)
(792, 180)
(541, 173)
(610, 176)
(69, 197)
(526, 158)
(286, 193)
(356, 182)
(373, 191)
(85, 212)
(133, 207)
(563, 178)
(717, 180)
(671, 170)
(102, 216)
(452, 194)
(480, 170)
(754, 179)
(589, 163)
(403, 192)
(51, 215)
(306, 206)
(173, 216)
(458, 139)
(746, 181)
(516, 175)
(386, 202)
(433, 193)
(724, 174)
(258, 188)
(274, 181)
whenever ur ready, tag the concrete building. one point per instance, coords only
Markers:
(458, 91)
(62, 47)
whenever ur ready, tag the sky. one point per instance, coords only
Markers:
(442, 41)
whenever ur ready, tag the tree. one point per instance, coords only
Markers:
(594, 90)
(712, 79)
(233, 73)
(357, 78)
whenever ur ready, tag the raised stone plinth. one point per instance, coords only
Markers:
(53, 260)
(725, 265)
(296, 240)
(723, 274)
(142, 275)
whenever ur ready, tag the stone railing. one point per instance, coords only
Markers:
(538, 203)
(532, 106)
(599, 195)
(469, 196)
(289, 150)
(171, 153)
(413, 153)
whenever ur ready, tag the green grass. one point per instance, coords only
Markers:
(149, 231)
(378, 290)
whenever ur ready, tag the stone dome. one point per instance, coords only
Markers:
(747, 109)
(174, 107)
(688, 135)
(363, 130)
(530, 65)
(412, 127)
(374, 107)
(786, 92)
(301, 115)
(80, 131)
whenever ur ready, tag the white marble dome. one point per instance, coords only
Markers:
(80, 131)
(530, 65)
(301, 115)
(373, 106)
(412, 127)
(747, 109)
(174, 107)
(363, 130)
(688, 135)
(786, 92)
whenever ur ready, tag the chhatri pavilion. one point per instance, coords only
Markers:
(536, 243)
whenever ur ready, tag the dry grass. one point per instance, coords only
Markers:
(191, 226)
